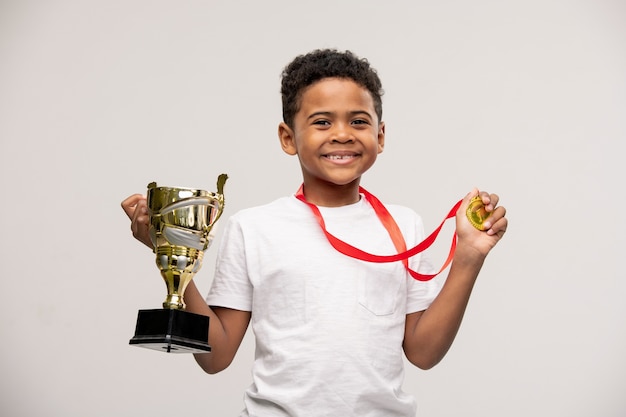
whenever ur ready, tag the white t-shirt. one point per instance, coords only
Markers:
(328, 328)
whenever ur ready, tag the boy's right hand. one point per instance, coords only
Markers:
(136, 208)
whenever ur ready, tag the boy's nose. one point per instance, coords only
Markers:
(342, 135)
(343, 140)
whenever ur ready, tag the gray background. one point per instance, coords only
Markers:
(523, 98)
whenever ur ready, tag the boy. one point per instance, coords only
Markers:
(330, 329)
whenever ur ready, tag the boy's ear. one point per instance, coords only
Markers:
(286, 137)
(381, 137)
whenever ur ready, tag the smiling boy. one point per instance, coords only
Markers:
(330, 330)
(332, 167)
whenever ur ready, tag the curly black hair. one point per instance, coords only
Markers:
(309, 68)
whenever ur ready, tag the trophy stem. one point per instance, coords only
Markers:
(178, 265)
(174, 302)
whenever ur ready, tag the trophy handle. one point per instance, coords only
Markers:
(221, 181)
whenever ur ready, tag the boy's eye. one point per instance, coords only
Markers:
(321, 122)
(360, 122)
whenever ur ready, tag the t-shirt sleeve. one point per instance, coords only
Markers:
(231, 285)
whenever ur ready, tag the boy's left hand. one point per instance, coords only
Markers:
(494, 226)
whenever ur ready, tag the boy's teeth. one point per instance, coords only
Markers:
(339, 156)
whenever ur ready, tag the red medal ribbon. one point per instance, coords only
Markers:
(394, 232)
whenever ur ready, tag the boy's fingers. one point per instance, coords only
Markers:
(129, 205)
(493, 200)
(500, 222)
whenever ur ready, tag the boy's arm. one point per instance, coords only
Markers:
(430, 333)
(227, 327)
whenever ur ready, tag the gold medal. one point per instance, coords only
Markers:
(476, 213)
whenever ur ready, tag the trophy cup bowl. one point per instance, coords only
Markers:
(181, 220)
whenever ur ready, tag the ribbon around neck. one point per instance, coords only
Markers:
(394, 232)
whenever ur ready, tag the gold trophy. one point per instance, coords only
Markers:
(181, 220)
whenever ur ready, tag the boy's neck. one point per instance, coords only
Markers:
(332, 195)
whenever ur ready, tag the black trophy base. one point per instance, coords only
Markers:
(172, 331)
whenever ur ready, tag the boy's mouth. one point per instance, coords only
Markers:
(338, 156)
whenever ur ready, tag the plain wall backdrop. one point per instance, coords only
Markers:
(99, 98)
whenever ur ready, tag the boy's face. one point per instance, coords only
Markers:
(336, 133)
